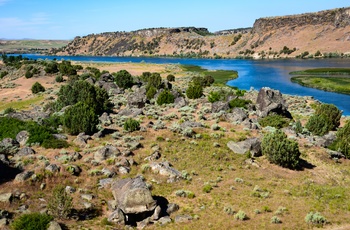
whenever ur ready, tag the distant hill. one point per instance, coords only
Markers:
(321, 33)
(27, 45)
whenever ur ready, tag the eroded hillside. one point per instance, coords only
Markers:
(324, 33)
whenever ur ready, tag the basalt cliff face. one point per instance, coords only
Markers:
(321, 33)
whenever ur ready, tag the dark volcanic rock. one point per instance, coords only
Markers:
(271, 101)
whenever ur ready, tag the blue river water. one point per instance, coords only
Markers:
(251, 73)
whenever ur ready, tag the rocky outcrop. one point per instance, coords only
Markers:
(271, 101)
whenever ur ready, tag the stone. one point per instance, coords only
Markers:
(137, 99)
(106, 77)
(4, 160)
(191, 124)
(219, 106)
(106, 152)
(70, 189)
(105, 119)
(183, 218)
(171, 208)
(22, 137)
(133, 196)
(117, 216)
(104, 183)
(237, 115)
(23, 176)
(81, 139)
(164, 169)
(87, 197)
(335, 154)
(25, 151)
(6, 197)
(271, 101)
(53, 168)
(156, 214)
(123, 170)
(154, 156)
(326, 140)
(9, 146)
(3, 223)
(180, 102)
(130, 112)
(59, 136)
(75, 170)
(164, 220)
(53, 225)
(251, 144)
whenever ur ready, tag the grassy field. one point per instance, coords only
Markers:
(327, 79)
(220, 76)
(323, 71)
(30, 45)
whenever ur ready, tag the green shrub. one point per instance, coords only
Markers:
(131, 125)
(165, 97)
(32, 221)
(207, 188)
(240, 93)
(194, 91)
(238, 102)
(274, 120)
(79, 118)
(9, 110)
(275, 220)
(3, 74)
(326, 118)
(59, 78)
(208, 80)
(214, 96)
(240, 215)
(66, 68)
(154, 80)
(60, 204)
(51, 67)
(170, 77)
(279, 150)
(315, 218)
(123, 79)
(151, 91)
(342, 142)
(37, 88)
(29, 74)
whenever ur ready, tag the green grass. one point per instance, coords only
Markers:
(23, 104)
(323, 71)
(332, 84)
(14, 45)
(220, 76)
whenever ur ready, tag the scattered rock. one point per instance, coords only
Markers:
(24, 176)
(251, 144)
(191, 124)
(219, 106)
(87, 197)
(22, 137)
(105, 119)
(183, 218)
(9, 146)
(137, 99)
(164, 169)
(172, 208)
(130, 112)
(164, 220)
(326, 140)
(106, 152)
(53, 168)
(180, 102)
(53, 225)
(81, 139)
(237, 115)
(25, 151)
(271, 101)
(6, 197)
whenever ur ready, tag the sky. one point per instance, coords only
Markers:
(65, 19)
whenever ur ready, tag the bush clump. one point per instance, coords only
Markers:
(274, 120)
(60, 205)
(238, 102)
(326, 118)
(123, 79)
(240, 215)
(281, 151)
(170, 77)
(59, 78)
(342, 142)
(194, 91)
(165, 97)
(131, 125)
(315, 218)
(151, 92)
(32, 221)
(37, 88)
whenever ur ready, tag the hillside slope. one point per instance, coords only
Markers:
(326, 31)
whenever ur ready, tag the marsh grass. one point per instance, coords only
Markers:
(22, 104)
(332, 84)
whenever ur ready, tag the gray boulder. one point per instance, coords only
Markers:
(23, 176)
(53, 168)
(251, 144)
(219, 106)
(81, 139)
(137, 99)
(53, 225)
(271, 101)
(326, 140)
(131, 112)
(25, 151)
(106, 152)
(165, 169)
(180, 102)
(105, 119)
(237, 115)
(133, 196)
(106, 77)
(22, 137)
(8, 146)
(6, 197)
(191, 124)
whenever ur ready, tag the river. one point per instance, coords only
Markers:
(251, 73)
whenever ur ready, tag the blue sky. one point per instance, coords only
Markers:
(65, 19)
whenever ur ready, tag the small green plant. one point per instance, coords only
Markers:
(315, 218)
(151, 91)
(9, 110)
(229, 210)
(170, 77)
(275, 220)
(32, 221)
(274, 120)
(266, 209)
(280, 150)
(342, 142)
(60, 205)
(165, 97)
(194, 91)
(131, 125)
(240, 215)
(37, 88)
(123, 79)
(214, 96)
(3, 74)
(184, 193)
(238, 102)
(207, 188)
(59, 78)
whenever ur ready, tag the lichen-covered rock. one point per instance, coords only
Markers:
(24, 176)
(219, 106)
(133, 196)
(106, 152)
(237, 115)
(271, 101)
(22, 137)
(25, 151)
(8, 146)
(251, 144)
(137, 99)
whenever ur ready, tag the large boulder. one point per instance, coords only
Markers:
(137, 99)
(219, 106)
(133, 196)
(251, 144)
(25, 151)
(237, 115)
(106, 152)
(8, 146)
(271, 101)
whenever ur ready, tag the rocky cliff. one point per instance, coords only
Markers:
(324, 33)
